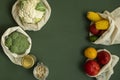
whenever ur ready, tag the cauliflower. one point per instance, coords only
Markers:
(31, 11)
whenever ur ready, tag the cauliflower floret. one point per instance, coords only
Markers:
(28, 13)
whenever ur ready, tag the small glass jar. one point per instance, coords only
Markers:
(41, 72)
(28, 61)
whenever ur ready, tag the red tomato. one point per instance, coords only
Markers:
(93, 30)
(103, 57)
(92, 68)
(101, 32)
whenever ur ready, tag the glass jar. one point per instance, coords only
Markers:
(28, 61)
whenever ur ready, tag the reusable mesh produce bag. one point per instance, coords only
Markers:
(28, 26)
(112, 35)
(107, 70)
(15, 58)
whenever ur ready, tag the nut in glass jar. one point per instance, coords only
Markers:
(41, 71)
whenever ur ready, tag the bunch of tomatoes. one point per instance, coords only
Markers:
(96, 59)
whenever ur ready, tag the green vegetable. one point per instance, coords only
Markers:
(93, 38)
(40, 7)
(8, 42)
(22, 3)
(36, 20)
(17, 42)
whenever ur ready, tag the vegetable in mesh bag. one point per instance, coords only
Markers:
(31, 14)
(111, 35)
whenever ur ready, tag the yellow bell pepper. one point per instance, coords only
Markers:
(102, 25)
(93, 16)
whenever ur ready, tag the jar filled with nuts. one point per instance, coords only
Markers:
(41, 71)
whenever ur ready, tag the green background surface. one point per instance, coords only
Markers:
(61, 42)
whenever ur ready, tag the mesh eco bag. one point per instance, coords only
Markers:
(107, 73)
(107, 70)
(112, 35)
(15, 58)
(27, 26)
